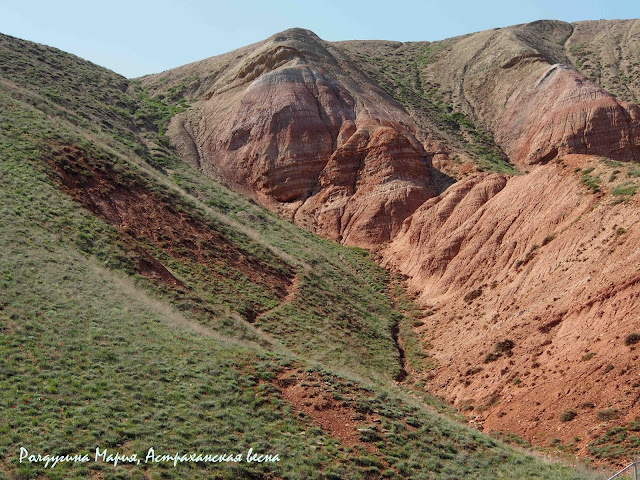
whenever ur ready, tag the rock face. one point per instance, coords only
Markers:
(293, 124)
(535, 262)
(371, 182)
(520, 83)
(531, 281)
(279, 148)
(562, 113)
(299, 124)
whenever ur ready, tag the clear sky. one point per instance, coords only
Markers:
(135, 37)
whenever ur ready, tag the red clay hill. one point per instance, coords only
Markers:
(496, 170)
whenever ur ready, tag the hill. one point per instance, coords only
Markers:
(145, 305)
(497, 171)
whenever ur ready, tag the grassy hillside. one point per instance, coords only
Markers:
(143, 305)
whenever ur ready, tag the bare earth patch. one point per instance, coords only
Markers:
(306, 392)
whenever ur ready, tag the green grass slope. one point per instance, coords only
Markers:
(142, 305)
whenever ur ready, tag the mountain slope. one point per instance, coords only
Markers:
(295, 123)
(536, 263)
(300, 123)
(607, 53)
(144, 305)
(517, 83)
(382, 144)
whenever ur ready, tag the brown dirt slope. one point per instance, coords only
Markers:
(535, 287)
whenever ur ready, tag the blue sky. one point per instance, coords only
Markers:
(139, 37)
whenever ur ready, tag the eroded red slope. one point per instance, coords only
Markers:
(535, 285)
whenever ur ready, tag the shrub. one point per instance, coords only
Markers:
(491, 357)
(412, 421)
(472, 295)
(634, 426)
(568, 415)
(608, 414)
(548, 239)
(473, 371)
(504, 346)
(369, 435)
(632, 339)
(593, 183)
(624, 190)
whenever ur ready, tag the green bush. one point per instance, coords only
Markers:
(626, 190)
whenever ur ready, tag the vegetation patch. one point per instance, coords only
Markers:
(568, 415)
(503, 347)
(592, 183)
(632, 339)
(417, 358)
(548, 239)
(619, 442)
(625, 190)
(472, 295)
(608, 414)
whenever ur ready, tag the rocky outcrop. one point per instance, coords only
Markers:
(294, 125)
(563, 112)
(537, 261)
(522, 277)
(368, 186)
(278, 137)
